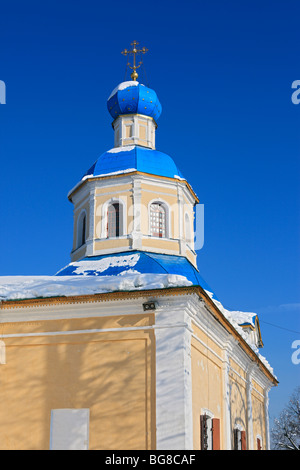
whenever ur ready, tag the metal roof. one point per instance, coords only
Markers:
(138, 158)
(134, 98)
(135, 262)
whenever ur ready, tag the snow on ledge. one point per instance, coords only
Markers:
(31, 287)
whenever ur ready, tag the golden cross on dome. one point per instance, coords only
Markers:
(134, 52)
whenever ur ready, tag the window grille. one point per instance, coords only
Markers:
(157, 220)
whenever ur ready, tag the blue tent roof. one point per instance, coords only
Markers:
(135, 157)
(134, 98)
(138, 261)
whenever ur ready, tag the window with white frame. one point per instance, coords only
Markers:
(114, 220)
(258, 442)
(209, 432)
(81, 229)
(239, 438)
(157, 220)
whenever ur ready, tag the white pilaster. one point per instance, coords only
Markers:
(91, 227)
(174, 418)
(249, 410)
(180, 200)
(227, 413)
(136, 234)
(266, 410)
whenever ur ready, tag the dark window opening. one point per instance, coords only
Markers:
(113, 220)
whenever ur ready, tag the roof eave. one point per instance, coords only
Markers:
(218, 315)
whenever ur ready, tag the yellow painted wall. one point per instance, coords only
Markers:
(238, 396)
(258, 415)
(79, 371)
(160, 188)
(117, 188)
(207, 392)
(124, 192)
(191, 257)
(160, 243)
(112, 243)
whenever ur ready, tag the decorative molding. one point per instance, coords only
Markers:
(95, 179)
(87, 331)
(94, 298)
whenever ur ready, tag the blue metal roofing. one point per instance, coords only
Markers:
(138, 262)
(138, 158)
(134, 99)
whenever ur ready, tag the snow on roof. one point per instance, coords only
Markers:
(88, 279)
(30, 287)
(237, 318)
(97, 266)
(125, 148)
(122, 86)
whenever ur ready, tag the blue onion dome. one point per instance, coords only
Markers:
(134, 158)
(133, 98)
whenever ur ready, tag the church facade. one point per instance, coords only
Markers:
(127, 347)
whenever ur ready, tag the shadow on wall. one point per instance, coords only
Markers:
(108, 373)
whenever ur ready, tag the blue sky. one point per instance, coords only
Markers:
(223, 73)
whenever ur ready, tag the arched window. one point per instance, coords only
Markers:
(239, 438)
(81, 229)
(114, 220)
(157, 220)
(259, 442)
(209, 431)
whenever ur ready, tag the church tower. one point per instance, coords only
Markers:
(133, 197)
(127, 347)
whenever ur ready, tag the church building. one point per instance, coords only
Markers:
(127, 348)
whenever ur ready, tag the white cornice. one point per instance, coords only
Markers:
(121, 177)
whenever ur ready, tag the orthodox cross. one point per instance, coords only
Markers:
(134, 52)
